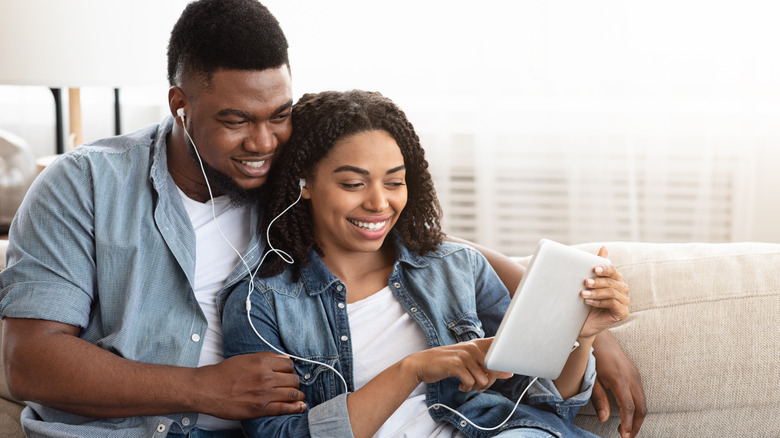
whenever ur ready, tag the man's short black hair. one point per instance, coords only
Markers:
(224, 34)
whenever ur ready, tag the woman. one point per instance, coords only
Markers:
(390, 321)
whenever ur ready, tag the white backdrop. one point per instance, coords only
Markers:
(579, 121)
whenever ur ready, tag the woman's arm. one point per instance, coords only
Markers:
(607, 295)
(616, 372)
(509, 271)
(370, 406)
(569, 383)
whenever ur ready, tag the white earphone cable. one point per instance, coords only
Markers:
(289, 260)
(439, 405)
(283, 255)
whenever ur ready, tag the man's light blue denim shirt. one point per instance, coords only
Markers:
(452, 293)
(102, 242)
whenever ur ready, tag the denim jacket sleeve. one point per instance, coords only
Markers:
(544, 392)
(327, 419)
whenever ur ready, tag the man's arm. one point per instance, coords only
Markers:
(508, 271)
(46, 362)
(615, 371)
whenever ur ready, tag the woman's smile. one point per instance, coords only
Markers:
(372, 226)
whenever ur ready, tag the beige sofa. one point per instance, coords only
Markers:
(704, 330)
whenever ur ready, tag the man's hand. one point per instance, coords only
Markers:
(251, 386)
(615, 372)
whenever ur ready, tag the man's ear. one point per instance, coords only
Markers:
(176, 100)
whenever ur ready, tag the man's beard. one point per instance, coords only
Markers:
(238, 195)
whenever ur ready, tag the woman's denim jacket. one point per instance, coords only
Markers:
(452, 293)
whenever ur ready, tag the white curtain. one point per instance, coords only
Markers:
(577, 121)
(508, 189)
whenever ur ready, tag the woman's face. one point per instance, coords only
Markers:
(357, 193)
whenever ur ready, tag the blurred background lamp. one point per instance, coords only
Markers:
(76, 43)
(68, 45)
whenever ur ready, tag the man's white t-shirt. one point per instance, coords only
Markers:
(382, 334)
(214, 261)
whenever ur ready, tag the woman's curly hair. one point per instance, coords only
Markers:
(319, 121)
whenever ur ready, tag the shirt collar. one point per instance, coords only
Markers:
(159, 171)
(318, 277)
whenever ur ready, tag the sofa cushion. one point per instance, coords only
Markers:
(703, 331)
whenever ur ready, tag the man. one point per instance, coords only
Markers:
(121, 247)
(111, 253)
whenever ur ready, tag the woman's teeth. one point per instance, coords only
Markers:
(370, 226)
(255, 164)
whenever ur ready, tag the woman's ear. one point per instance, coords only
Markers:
(305, 194)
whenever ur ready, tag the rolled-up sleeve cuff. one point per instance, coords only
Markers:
(543, 391)
(330, 419)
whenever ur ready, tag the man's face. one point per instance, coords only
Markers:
(236, 124)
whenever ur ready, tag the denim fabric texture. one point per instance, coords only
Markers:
(102, 242)
(452, 293)
(203, 433)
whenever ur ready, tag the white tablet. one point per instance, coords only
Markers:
(546, 313)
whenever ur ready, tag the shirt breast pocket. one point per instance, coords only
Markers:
(466, 328)
(319, 383)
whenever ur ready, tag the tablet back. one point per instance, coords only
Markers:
(546, 314)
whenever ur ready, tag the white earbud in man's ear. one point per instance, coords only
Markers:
(180, 113)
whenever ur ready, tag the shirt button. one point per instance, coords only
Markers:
(463, 423)
(185, 421)
(341, 305)
(344, 338)
(161, 428)
(195, 337)
(307, 376)
(413, 309)
(339, 288)
(397, 285)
